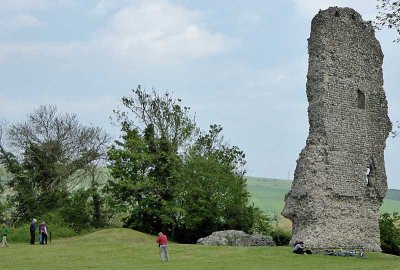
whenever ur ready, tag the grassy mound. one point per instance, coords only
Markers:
(128, 249)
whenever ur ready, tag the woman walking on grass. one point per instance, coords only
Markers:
(43, 233)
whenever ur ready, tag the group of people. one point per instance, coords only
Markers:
(42, 232)
(162, 240)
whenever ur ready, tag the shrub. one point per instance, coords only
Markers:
(281, 237)
(76, 210)
(390, 233)
(261, 223)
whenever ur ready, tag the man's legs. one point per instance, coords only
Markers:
(33, 238)
(164, 252)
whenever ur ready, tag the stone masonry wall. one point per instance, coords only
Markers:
(340, 178)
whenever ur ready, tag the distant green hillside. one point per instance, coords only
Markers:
(269, 194)
(393, 194)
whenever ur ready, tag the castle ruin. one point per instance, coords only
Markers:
(340, 180)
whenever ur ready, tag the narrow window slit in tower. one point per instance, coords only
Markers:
(336, 13)
(360, 99)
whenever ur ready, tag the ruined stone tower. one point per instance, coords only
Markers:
(340, 178)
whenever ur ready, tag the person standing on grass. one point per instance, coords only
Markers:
(4, 233)
(163, 245)
(32, 229)
(43, 233)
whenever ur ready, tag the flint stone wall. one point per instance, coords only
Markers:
(340, 180)
(235, 238)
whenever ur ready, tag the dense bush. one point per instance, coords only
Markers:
(84, 209)
(281, 237)
(390, 233)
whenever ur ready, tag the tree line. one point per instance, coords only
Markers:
(165, 174)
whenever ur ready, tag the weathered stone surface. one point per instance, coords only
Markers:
(235, 238)
(340, 178)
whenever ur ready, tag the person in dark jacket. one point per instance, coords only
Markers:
(32, 229)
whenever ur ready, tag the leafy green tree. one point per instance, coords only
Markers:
(165, 115)
(76, 210)
(142, 167)
(155, 129)
(50, 154)
(2, 203)
(211, 198)
(212, 192)
(100, 212)
(388, 16)
(167, 175)
(212, 144)
(390, 233)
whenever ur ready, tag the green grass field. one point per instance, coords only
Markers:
(269, 194)
(128, 249)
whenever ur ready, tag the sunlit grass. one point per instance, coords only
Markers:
(127, 249)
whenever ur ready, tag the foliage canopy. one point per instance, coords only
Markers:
(47, 156)
(388, 16)
(390, 233)
(170, 176)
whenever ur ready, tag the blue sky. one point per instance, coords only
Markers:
(241, 64)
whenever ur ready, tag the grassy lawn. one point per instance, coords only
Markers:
(127, 249)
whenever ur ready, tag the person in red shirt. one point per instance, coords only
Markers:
(163, 245)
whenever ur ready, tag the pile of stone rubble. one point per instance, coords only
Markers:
(235, 238)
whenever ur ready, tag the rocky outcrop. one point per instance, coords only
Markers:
(235, 238)
(340, 180)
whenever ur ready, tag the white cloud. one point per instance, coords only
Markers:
(149, 33)
(23, 20)
(159, 32)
